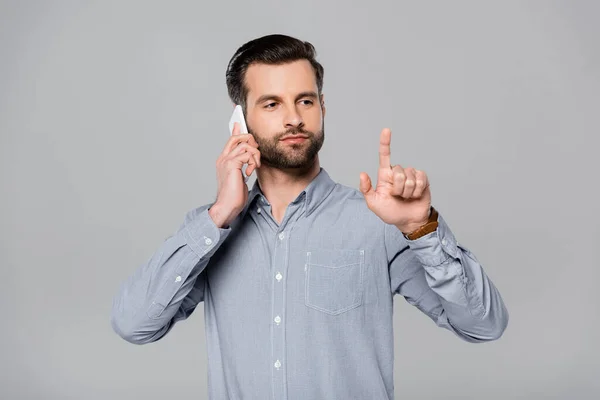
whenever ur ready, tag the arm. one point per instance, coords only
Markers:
(446, 282)
(169, 286)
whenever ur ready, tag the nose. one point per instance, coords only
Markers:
(293, 119)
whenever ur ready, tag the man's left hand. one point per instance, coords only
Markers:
(402, 196)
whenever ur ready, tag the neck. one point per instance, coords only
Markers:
(282, 186)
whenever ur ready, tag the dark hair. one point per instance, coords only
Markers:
(273, 49)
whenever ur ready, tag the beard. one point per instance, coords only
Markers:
(295, 155)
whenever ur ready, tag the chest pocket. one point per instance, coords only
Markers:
(334, 279)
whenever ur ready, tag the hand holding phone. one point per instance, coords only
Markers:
(238, 116)
(240, 153)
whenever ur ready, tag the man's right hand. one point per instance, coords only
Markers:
(232, 191)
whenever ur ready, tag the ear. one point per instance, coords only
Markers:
(323, 104)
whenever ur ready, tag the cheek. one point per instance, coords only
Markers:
(262, 129)
(269, 126)
(315, 115)
(257, 119)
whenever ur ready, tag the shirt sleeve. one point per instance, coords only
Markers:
(445, 281)
(167, 287)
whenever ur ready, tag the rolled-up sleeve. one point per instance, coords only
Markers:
(446, 281)
(167, 287)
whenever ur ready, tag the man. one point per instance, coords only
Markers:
(298, 274)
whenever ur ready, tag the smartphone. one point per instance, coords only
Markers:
(238, 116)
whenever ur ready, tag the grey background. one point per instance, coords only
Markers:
(112, 114)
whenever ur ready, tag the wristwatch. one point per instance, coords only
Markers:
(430, 226)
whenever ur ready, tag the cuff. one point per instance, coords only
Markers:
(436, 247)
(202, 234)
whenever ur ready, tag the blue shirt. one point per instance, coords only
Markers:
(302, 310)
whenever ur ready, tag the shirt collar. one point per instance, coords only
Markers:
(316, 191)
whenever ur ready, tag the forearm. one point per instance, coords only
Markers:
(147, 300)
(471, 302)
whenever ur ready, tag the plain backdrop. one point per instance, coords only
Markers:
(112, 115)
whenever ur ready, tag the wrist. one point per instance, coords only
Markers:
(218, 216)
(413, 226)
(417, 230)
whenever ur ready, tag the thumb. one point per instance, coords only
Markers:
(365, 184)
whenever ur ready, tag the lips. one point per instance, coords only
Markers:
(294, 138)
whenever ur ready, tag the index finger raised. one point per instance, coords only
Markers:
(384, 148)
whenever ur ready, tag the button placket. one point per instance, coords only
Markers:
(278, 305)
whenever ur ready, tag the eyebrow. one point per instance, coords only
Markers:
(266, 97)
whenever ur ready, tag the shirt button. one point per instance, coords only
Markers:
(277, 320)
(208, 241)
(178, 279)
(277, 364)
(278, 276)
(258, 210)
(281, 236)
(444, 242)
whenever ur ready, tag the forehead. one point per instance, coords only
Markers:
(289, 78)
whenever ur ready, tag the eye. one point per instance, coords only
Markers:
(270, 105)
(307, 102)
